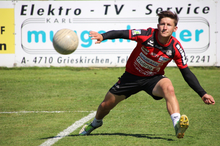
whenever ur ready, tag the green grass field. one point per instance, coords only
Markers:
(35, 92)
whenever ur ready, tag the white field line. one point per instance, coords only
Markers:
(26, 112)
(68, 130)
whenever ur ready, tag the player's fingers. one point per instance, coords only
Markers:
(95, 36)
(206, 101)
(91, 34)
(212, 101)
(97, 42)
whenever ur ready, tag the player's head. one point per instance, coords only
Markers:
(166, 26)
(168, 14)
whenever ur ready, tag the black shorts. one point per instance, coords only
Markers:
(130, 84)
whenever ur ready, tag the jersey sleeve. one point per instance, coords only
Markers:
(192, 81)
(132, 34)
(180, 56)
(135, 34)
(115, 34)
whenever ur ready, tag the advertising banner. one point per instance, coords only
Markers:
(36, 23)
(7, 34)
(218, 34)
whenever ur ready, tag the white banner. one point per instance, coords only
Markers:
(36, 22)
(7, 36)
(218, 33)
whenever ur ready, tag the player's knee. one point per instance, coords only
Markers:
(105, 105)
(111, 101)
(170, 90)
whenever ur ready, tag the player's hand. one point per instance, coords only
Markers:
(96, 36)
(208, 99)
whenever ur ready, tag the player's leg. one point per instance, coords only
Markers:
(126, 86)
(110, 101)
(165, 89)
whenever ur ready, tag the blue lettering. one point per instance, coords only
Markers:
(198, 32)
(120, 40)
(185, 35)
(36, 34)
(86, 39)
(51, 36)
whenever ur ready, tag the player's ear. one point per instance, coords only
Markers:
(175, 29)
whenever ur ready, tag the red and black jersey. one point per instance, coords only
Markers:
(150, 57)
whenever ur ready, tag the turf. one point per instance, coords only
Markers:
(139, 120)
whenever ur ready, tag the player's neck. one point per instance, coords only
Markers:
(164, 40)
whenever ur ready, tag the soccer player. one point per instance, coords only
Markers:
(145, 71)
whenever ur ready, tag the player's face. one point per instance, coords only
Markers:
(166, 27)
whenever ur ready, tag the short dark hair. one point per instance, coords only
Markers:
(168, 14)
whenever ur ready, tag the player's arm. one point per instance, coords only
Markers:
(193, 82)
(113, 34)
(181, 59)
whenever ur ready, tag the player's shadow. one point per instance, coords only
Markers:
(148, 136)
